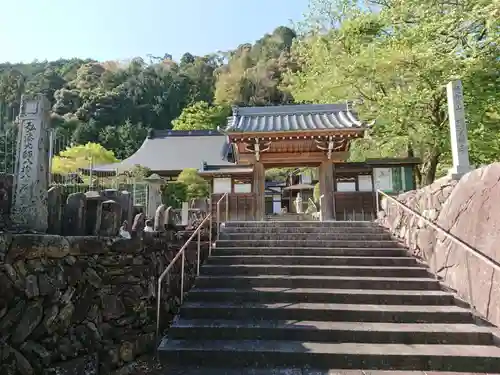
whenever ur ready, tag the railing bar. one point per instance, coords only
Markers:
(198, 263)
(181, 254)
(182, 276)
(452, 237)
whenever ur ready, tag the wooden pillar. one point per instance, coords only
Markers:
(259, 187)
(326, 184)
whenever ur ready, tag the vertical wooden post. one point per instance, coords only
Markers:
(326, 189)
(259, 179)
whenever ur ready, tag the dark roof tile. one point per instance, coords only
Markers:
(303, 117)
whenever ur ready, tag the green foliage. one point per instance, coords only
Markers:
(254, 73)
(197, 186)
(395, 63)
(174, 193)
(138, 172)
(81, 156)
(114, 103)
(282, 174)
(201, 115)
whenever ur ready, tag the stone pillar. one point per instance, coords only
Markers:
(29, 210)
(154, 194)
(458, 130)
(259, 186)
(326, 188)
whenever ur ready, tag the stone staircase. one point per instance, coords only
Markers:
(321, 298)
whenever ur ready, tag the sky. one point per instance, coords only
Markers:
(122, 29)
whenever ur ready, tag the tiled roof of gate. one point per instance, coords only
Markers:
(302, 117)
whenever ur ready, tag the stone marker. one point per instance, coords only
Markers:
(29, 209)
(111, 194)
(160, 219)
(138, 225)
(458, 130)
(127, 204)
(154, 194)
(185, 214)
(55, 210)
(111, 218)
(74, 215)
(93, 212)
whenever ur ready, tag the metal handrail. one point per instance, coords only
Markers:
(182, 255)
(441, 230)
(226, 196)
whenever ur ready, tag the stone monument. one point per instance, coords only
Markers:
(458, 130)
(155, 183)
(29, 209)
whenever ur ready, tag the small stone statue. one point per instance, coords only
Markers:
(149, 226)
(124, 233)
(298, 203)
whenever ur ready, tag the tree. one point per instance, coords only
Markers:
(82, 156)
(395, 64)
(196, 186)
(253, 73)
(201, 116)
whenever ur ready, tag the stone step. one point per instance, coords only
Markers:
(333, 332)
(462, 358)
(316, 251)
(298, 270)
(347, 236)
(275, 370)
(309, 243)
(282, 224)
(320, 282)
(325, 312)
(305, 295)
(309, 260)
(303, 229)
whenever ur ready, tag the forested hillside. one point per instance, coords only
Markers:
(392, 57)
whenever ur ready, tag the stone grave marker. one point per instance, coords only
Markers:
(111, 218)
(29, 209)
(94, 212)
(55, 210)
(74, 215)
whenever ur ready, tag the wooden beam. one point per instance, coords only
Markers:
(259, 187)
(326, 188)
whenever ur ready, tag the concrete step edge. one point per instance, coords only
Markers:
(384, 350)
(329, 307)
(373, 292)
(330, 326)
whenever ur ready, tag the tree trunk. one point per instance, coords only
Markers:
(430, 167)
(417, 176)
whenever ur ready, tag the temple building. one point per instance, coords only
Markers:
(234, 159)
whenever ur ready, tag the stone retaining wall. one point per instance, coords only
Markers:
(470, 210)
(83, 305)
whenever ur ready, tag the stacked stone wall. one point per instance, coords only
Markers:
(84, 305)
(470, 210)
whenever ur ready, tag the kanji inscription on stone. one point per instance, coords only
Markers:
(458, 129)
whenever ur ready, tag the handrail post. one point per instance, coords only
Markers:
(218, 220)
(227, 207)
(158, 309)
(199, 246)
(210, 237)
(183, 258)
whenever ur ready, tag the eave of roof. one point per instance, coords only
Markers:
(294, 118)
(172, 150)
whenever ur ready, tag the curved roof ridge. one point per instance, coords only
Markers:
(292, 118)
(288, 109)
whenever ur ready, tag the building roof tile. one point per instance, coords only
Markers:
(302, 117)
